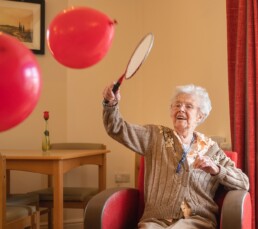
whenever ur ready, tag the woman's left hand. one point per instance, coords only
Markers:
(206, 164)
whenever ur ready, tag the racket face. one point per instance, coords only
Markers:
(139, 56)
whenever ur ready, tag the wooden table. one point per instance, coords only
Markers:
(55, 163)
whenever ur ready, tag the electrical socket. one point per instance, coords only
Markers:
(122, 178)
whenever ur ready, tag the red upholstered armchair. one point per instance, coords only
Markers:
(121, 208)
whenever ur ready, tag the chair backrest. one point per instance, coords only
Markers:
(218, 198)
(72, 145)
(232, 155)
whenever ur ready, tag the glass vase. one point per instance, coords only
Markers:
(46, 142)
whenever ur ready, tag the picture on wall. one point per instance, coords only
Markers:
(25, 20)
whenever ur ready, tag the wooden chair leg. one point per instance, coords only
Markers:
(37, 220)
(50, 218)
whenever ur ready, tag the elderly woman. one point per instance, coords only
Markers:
(183, 168)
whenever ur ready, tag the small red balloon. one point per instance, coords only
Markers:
(20, 82)
(80, 37)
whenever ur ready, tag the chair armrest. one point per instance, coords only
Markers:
(115, 208)
(236, 210)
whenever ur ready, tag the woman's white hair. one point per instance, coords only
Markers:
(200, 93)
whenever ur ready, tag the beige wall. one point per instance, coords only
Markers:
(189, 47)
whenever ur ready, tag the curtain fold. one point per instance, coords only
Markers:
(242, 38)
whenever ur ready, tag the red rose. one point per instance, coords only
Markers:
(46, 115)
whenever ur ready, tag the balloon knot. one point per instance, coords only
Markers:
(115, 22)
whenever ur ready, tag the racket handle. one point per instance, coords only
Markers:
(116, 87)
(114, 90)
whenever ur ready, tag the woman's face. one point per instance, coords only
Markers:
(185, 113)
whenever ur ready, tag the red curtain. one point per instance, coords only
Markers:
(242, 37)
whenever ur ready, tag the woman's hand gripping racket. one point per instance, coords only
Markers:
(138, 57)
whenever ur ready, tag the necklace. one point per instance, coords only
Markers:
(185, 152)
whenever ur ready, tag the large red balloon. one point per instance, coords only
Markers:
(80, 37)
(20, 82)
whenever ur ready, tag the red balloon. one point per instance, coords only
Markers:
(20, 82)
(80, 37)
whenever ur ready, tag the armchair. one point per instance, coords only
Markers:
(121, 208)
